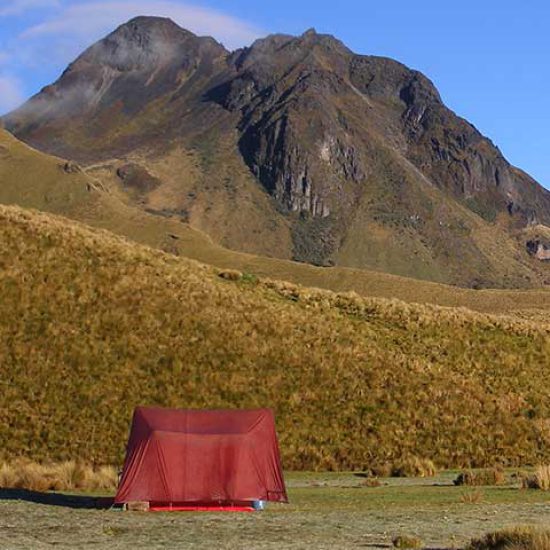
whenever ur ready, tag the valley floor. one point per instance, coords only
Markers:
(326, 511)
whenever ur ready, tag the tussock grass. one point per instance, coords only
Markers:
(371, 482)
(409, 466)
(472, 497)
(515, 538)
(540, 479)
(230, 274)
(487, 476)
(92, 325)
(406, 541)
(64, 476)
(414, 467)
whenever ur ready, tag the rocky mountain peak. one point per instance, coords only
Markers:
(147, 23)
(309, 32)
(132, 66)
(313, 38)
(143, 42)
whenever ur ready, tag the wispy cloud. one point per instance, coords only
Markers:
(58, 32)
(18, 7)
(11, 93)
(91, 19)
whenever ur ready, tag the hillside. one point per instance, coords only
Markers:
(32, 179)
(295, 148)
(92, 325)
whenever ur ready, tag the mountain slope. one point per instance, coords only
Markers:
(295, 148)
(92, 325)
(35, 180)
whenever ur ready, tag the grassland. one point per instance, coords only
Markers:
(92, 325)
(326, 511)
(34, 180)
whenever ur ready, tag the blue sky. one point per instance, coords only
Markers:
(488, 58)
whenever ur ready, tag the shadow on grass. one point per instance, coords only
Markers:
(58, 499)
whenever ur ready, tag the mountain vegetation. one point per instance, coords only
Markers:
(92, 325)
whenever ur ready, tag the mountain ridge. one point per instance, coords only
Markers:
(296, 147)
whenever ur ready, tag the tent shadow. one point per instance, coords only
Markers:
(58, 499)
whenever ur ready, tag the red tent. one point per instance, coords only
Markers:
(201, 458)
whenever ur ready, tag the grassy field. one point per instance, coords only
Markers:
(325, 511)
(92, 326)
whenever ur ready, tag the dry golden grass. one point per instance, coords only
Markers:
(230, 274)
(63, 476)
(414, 467)
(8, 475)
(472, 497)
(540, 479)
(515, 538)
(92, 325)
(407, 541)
(371, 482)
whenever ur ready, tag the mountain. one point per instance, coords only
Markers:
(295, 148)
(92, 325)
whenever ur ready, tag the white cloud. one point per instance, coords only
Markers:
(90, 20)
(17, 7)
(11, 93)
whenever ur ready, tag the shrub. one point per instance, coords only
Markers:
(515, 538)
(487, 476)
(407, 541)
(414, 467)
(539, 480)
(249, 278)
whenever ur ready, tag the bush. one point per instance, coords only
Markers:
(407, 541)
(515, 538)
(539, 480)
(249, 278)
(488, 476)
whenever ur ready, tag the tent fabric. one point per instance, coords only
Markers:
(206, 457)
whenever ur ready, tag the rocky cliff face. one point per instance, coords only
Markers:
(358, 155)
